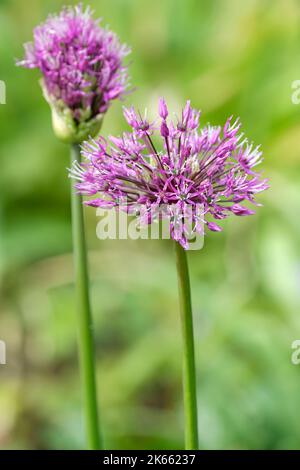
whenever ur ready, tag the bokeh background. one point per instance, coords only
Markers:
(228, 57)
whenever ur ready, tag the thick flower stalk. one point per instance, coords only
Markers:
(82, 70)
(211, 168)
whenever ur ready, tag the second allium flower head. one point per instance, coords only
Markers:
(210, 167)
(82, 68)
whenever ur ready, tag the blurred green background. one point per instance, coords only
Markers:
(228, 57)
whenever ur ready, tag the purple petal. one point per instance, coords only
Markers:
(214, 227)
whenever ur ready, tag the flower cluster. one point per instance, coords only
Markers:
(212, 167)
(81, 63)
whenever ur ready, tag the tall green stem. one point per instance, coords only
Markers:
(85, 326)
(189, 369)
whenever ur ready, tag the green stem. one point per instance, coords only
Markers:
(189, 369)
(85, 326)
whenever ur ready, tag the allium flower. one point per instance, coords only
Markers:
(82, 68)
(211, 168)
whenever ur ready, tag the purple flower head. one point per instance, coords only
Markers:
(81, 64)
(210, 168)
